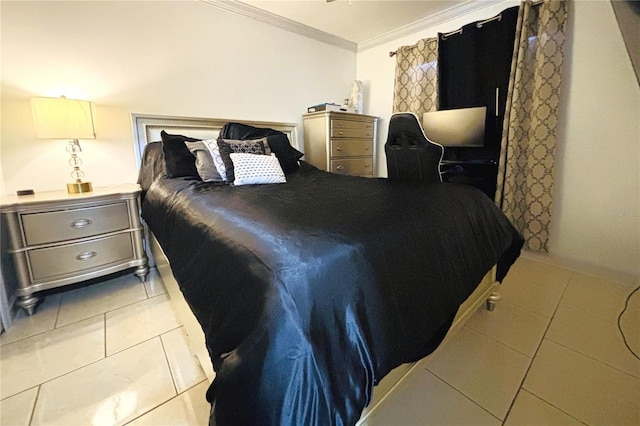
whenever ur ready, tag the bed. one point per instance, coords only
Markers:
(303, 296)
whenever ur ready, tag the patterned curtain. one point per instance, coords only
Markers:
(416, 83)
(525, 173)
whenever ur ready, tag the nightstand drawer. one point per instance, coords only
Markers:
(42, 228)
(351, 148)
(351, 124)
(68, 259)
(352, 133)
(355, 166)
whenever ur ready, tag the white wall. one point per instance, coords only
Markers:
(596, 214)
(170, 58)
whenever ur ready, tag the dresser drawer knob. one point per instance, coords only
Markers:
(338, 148)
(80, 223)
(339, 168)
(340, 133)
(86, 255)
(366, 166)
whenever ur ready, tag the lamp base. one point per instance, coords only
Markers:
(79, 187)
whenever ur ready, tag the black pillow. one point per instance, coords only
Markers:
(152, 165)
(287, 155)
(178, 160)
(278, 142)
(227, 147)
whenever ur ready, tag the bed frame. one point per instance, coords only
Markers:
(146, 129)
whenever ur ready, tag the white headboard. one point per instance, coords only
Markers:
(147, 128)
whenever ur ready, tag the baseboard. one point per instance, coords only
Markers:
(583, 267)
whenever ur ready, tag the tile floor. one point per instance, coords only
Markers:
(550, 354)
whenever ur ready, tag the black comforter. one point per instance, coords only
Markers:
(310, 292)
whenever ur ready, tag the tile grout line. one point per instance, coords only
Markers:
(87, 365)
(35, 403)
(144, 341)
(166, 358)
(498, 341)
(577, 351)
(461, 393)
(55, 323)
(524, 378)
(535, 354)
(173, 382)
(569, 348)
(104, 337)
(111, 310)
(165, 402)
(57, 326)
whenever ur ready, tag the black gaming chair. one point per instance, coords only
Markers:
(411, 156)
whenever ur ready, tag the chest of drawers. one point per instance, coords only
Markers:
(341, 142)
(56, 238)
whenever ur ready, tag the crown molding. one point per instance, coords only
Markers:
(428, 22)
(249, 11)
(252, 12)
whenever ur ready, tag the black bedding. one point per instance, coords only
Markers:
(310, 292)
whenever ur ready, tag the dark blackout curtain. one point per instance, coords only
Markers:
(472, 63)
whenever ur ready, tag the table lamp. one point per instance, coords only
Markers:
(62, 118)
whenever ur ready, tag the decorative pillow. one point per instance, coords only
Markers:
(287, 155)
(227, 147)
(214, 150)
(178, 159)
(204, 162)
(278, 142)
(251, 169)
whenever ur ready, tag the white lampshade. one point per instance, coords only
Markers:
(62, 118)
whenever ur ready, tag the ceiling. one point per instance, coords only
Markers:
(356, 21)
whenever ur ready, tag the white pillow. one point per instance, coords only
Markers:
(212, 146)
(250, 169)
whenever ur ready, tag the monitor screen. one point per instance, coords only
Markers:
(462, 127)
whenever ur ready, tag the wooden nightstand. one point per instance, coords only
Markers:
(57, 239)
(341, 142)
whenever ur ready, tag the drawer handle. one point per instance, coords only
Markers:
(340, 133)
(366, 166)
(339, 168)
(338, 148)
(86, 255)
(80, 223)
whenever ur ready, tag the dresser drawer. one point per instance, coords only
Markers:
(354, 166)
(352, 133)
(68, 259)
(351, 148)
(42, 228)
(350, 124)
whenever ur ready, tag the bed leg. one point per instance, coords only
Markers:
(492, 300)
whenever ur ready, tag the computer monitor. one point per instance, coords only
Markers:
(462, 127)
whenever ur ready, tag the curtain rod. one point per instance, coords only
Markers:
(479, 24)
